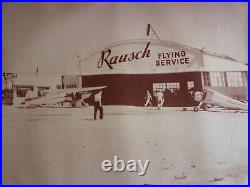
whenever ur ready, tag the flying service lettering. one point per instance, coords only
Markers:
(172, 58)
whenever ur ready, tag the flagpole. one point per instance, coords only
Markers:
(148, 31)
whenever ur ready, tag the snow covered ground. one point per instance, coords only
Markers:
(66, 146)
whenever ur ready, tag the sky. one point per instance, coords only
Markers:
(50, 35)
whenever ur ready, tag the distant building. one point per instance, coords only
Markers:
(71, 81)
(23, 84)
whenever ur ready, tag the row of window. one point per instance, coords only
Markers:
(172, 86)
(216, 79)
(70, 86)
(163, 86)
(224, 79)
(71, 81)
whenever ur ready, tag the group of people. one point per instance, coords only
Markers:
(98, 102)
(159, 96)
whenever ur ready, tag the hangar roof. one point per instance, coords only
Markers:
(215, 62)
(155, 57)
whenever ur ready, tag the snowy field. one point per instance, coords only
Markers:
(66, 146)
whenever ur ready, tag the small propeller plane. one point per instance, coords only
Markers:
(53, 97)
(213, 98)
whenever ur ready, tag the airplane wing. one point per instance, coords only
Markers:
(38, 101)
(216, 98)
(58, 96)
(82, 90)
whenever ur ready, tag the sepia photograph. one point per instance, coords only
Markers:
(125, 93)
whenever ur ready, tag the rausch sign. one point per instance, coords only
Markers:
(143, 56)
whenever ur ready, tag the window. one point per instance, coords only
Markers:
(173, 86)
(217, 79)
(206, 78)
(159, 87)
(71, 86)
(71, 81)
(234, 79)
(190, 84)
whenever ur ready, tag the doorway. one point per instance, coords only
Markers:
(171, 92)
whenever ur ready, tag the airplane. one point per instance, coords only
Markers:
(210, 98)
(54, 97)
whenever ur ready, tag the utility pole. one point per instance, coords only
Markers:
(79, 64)
(79, 69)
(36, 72)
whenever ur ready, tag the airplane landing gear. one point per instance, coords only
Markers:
(202, 106)
(73, 104)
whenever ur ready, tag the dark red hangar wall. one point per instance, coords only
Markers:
(130, 89)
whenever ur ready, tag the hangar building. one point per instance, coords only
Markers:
(130, 68)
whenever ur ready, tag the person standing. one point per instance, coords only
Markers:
(160, 99)
(98, 105)
(148, 99)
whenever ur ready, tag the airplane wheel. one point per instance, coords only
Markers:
(196, 109)
(73, 104)
(204, 107)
